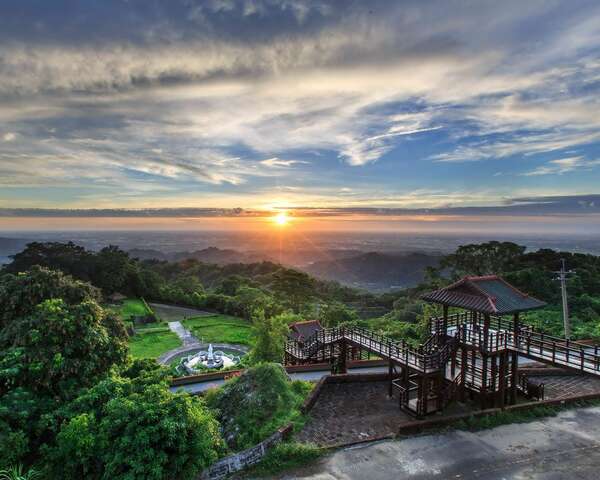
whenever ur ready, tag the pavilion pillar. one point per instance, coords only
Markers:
(486, 332)
(442, 340)
(463, 372)
(514, 380)
(502, 379)
(516, 329)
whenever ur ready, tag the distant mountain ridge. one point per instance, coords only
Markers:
(207, 255)
(376, 271)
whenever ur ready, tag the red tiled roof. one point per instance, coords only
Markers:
(488, 294)
(300, 331)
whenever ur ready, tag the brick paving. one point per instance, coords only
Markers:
(561, 386)
(349, 412)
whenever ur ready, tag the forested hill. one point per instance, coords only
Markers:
(241, 289)
(376, 271)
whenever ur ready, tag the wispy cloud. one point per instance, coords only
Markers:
(278, 162)
(228, 96)
(563, 165)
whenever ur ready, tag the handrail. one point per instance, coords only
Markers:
(431, 356)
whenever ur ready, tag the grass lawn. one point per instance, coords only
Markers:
(221, 329)
(152, 344)
(132, 307)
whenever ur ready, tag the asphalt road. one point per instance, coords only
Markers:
(563, 447)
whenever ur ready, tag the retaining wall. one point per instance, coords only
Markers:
(239, 461)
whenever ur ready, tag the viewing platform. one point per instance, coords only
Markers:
(474, 352)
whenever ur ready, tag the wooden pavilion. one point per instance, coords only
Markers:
(473, 351)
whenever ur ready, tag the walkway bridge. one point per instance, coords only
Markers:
(474, 352)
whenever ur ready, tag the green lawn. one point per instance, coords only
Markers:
(152, 344)
(132, 307)
(221, 329)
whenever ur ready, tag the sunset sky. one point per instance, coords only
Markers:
(396, 107)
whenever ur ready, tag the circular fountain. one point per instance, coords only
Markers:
(209, 359)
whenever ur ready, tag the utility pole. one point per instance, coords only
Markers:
(562, 276)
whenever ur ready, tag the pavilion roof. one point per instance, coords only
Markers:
(300, 331)
(488, 294)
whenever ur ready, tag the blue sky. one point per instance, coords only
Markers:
(290, 103)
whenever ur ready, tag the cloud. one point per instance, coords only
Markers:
(525, 206)
(277, 162)
(563, 165)
(9, 136)
(191, 97)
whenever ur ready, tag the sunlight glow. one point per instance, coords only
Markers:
(281, 219)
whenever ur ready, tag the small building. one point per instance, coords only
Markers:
(302, 331)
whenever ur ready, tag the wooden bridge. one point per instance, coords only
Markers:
(471, 353)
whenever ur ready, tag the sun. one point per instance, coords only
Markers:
(281, 219)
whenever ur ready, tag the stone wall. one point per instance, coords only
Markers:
(246, 458)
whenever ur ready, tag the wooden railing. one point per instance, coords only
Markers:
(558, 351)
(400, 352)
(432, 356)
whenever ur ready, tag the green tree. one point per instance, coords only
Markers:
(67, 257)
(336, 313)
(112, 267)
(483, 259)
(294, 288)
(55, 340)
(65, 347)
(21, 293)
(271, 334)
(133, 428)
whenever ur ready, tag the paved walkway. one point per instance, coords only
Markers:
(565, 447)
(351, 412)
(184, 334)
(561, 386)
(187, 339)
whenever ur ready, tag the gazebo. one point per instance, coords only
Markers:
(483, 335)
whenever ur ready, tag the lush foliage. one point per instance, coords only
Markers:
(72, 405)
(133, 428)
(252, 406)
(50, 348)
(271, 334)
(285, 456)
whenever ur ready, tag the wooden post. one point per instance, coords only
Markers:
(442, 339)
(424, 393)
(486, 332)
(513, 385)
(391, 378)
(484, 376)
(502, 379)
(463, 373)
(343, 354)
(516, 329)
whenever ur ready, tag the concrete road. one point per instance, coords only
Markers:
(562, 447)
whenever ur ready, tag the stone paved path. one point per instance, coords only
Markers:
(184, 334)
(564, 447)
(351, 412)
(347, 412)
(561, 386)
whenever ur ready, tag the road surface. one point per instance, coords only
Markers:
(563, 447)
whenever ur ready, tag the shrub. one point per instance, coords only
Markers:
(285, 456)
(255, 404)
